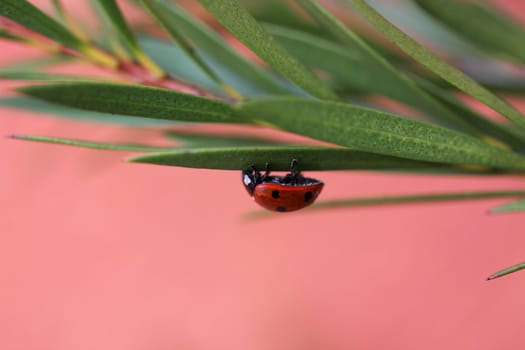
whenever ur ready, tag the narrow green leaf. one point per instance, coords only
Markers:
(510, 207)
(120, 24)
(310, 158)
(281, 13)
(134, 100)
(207, 140)
(231, 68)
(373, 131)
(487, 126)
(241, 24)
(389, 80)
(427, 28)
(26, 14)
(238, 153)
(396, 200)
(436, 64)
(43, 76)
(177, 63)
(36, 63)
(4, 34)
(502, 37)
(42, 107)
(107, 33)
(507, 271)
(161, 14)
(90, 144)
(59, 9)
(116, 17)
(320, 53)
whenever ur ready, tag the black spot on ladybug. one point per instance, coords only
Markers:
(308, 196)
(275, 194)
(281, 209)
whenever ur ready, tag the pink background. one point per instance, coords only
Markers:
(96, 253)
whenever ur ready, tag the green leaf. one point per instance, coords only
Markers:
(107, 33)
(42, 107)
(427, 28)
(90, 144)
(502, 37)
(161, 14)
(4, 34)
(373, 131)
(310, 158)
(118, 21)
(116, 17)
(36, 63)
(134, 100)
(487, 126)
(281, 13)
(59, 10)
(406, 199)
(389, 80)
(241, 24)
(230, 67)
(183, 67)
(207, 140)
(26, 14)
(510, 207)
(43, 76)
(436, 64)
(507, 271)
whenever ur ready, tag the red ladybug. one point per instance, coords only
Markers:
(281, 193)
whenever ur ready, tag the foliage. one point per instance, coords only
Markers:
(321, 78)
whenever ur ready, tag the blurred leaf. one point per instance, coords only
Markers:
(507, 271)
(405, 199)
(26, 14)
(424, 26)
(373, 131)
(436, 64)
(31, 104)
(229, 66)
(481, 24)
(177, 63)
(116, 17)
(89, 144)
(195, 140)
(59, 10)
(310, 158)
(4, 34)
(389, 80)
(281, 13)
(161, 14)
(43, 76)
(509, 207)
(134, 100)
(108, 36)
(241, 24)
(40, 62)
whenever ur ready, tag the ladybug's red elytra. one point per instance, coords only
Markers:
(281, 193)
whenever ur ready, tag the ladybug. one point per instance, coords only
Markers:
(281, 193)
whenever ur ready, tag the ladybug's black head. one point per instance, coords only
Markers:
(249, 180)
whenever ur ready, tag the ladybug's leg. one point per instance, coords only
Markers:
(266, 171)
(255, 172)
(293, 166)
(294, 172)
